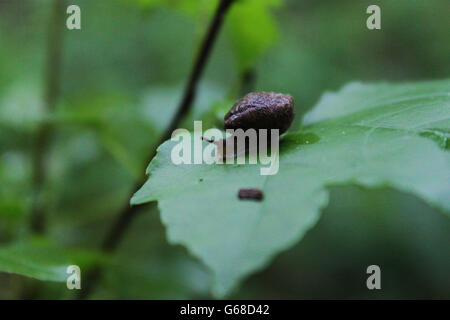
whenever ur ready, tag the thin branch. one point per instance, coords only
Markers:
(200, 63)
(44, 132)
(127, 214)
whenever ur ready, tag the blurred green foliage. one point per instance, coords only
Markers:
(121, 80)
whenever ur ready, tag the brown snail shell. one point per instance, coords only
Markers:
(261, 110)
(257, 110)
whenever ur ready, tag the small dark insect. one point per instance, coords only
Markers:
(250, 194)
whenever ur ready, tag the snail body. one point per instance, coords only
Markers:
(256, 110)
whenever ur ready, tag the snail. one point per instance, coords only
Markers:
(257, 110)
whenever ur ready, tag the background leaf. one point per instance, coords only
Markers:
(42, 260)
(250, 42)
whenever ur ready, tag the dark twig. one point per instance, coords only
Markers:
(199, 66)
(248, 79)
(127, 214)
(44, 132)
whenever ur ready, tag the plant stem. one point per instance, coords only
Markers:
(248, 79)
(200, 63)
(44, 132)
(127, 214)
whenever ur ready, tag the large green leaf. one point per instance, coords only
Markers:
(372, 135)
(40, 259)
